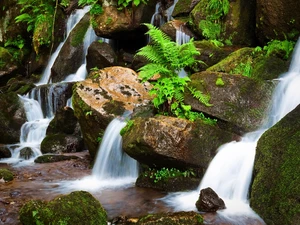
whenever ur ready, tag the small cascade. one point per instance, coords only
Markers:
(230, 172)
(170, 10)
(72, 21)
(110, 154)
(157, 18)
(112, 168)
(181, 37)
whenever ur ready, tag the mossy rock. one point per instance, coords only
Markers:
(78, 207)
(6, 175)
(177, 218)
(50, 158)
(276, 185)
(26, 153)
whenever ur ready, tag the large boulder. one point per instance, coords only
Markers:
(278, 19)
(172, 142)
(249, 62)
(71, 54)
(114, 23)
(12, 117)
(276, 185)
(107, 93)
(238, 102)
(238, 25)
(78, 207)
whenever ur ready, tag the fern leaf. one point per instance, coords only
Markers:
(203, 98)
(151, 69)
(151, 54)
(25, 17)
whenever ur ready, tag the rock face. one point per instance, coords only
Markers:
(238, 25)
(104, 95)
(12, 117)
(172, 142)
(71, 55)
(209, 201)
(114, 23)
(277, 20)
(100, 55)
(276, 186)
(78, 207)
(239, 103)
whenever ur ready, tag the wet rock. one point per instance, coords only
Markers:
(276, 184)
(100, 55)
(4, 152)
(115, 23)
(12, 117)
(240, 30)
(183, 8)
(65, 122)
(107, 93)
(239, 102)
(209, 201)
(61, 143)
(171, 27)
(50, 158)
(26, 153)
(6, 175)
(177, 218)
(78, 207)
(172, 142)
(71, 54)
(277, 21)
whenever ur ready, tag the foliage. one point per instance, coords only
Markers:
(96, 9)
(217, 9)
(280, 46)
(32, 10)
(166, 173)
(128, 126)
(243, 68)
(210, 30)
(12, 44)
(65, 3)
(219, 81)
(166, 59)
(125, 3)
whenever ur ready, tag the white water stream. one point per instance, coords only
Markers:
(230, 172)
(34, 130)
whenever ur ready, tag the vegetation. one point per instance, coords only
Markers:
(39, 17)
(166, 173)
(96, 9)
(276, 46)
(211, 26)
(125, 3)
(6, 175)
(128, 126)
(166, 60)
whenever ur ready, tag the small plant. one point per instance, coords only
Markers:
(126, 3)
(89, 113)
(128, 126)
(96, 9)
(244, 69)
(285, 46)
(219, 81)
(166, 173)
(65, 3)
(166, 58)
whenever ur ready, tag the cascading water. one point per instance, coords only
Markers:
(229, 174)
(41, 109)
(112, 168)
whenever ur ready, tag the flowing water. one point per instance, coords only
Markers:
(230, 172)
(40, 108)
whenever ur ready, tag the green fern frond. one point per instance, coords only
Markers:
(179, 96)
(203, 98)
(151, 54)
(151, 69)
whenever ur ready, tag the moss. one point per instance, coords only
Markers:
(78, 36)
(78, 207)
(6, 175)
(276, 187)
(53, 158)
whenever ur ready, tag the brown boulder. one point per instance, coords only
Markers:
(209, 201)
(107, 93)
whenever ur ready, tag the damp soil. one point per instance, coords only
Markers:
(39, 181)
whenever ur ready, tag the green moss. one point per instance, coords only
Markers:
(6, 175)
(53, 158)
(276, 186)
(78, 207)
(78, 36)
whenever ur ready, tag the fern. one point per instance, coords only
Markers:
(200, 96)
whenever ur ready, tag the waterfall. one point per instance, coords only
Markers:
(230, 172)
(71, 22)
(112, 168)
(110, 154)
(44, 100)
